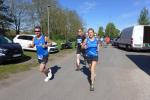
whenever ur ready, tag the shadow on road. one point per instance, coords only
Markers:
(142, 61)
(54, 70)
(86, 72)
(134, 51)
(82, 62)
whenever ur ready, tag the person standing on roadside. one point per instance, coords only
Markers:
(107, 40)
(42, 42)
(91, 45)
(101, 41)
(79, 39)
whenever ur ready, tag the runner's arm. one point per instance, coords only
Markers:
(49, 42)
(32, 44)
(83, 44)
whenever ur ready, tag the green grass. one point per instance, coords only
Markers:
(29, 61)
(22, 65)
(59, 43)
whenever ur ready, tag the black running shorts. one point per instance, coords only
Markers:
(91, 58)
(43, 61)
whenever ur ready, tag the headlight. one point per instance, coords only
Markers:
(2, 51)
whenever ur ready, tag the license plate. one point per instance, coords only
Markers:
(16, 55)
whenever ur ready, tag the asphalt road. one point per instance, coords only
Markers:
(121, 75)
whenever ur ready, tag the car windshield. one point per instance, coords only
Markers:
(4, 40)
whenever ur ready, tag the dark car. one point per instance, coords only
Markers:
(9, 50)
(114, 41)
(66, 45)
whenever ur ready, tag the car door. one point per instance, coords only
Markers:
(25, 41)
(138, 37)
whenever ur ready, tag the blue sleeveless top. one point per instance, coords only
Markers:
(92, 47)
(41, 52)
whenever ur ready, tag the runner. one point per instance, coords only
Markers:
(42, 42)
(80, 38)
(107, 40)
(91, 45)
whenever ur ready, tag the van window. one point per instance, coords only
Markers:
(146, 38)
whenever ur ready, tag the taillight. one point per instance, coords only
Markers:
(131, 40)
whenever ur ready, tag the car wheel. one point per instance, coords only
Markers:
(128, 47)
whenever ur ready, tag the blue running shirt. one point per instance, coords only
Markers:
(92, 47)
(41, 52)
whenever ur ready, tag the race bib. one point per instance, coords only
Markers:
(79, 40)
(40, 57)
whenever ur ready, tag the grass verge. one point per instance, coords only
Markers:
(29, 61)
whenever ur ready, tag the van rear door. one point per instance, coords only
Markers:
(137, 37)
(146, 37)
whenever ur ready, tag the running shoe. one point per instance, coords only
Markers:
(46, 79)
(91, 87)
(78, 69)
(49, 76)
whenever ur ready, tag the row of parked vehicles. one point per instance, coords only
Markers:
(9, 50)
(134, 38)
(12, 50)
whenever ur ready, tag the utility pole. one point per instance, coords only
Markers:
(48, 21)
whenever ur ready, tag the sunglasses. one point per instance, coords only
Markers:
(37, 31)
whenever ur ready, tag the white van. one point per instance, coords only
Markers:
(136, 37)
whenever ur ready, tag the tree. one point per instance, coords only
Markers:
(5, 18)
(18, 13)
(41, 7)
(73, 23)
(144, 18)
(63, 22)
(29, 13)
(117, 32)
(111, 30)
(101, 31)
(31, 19)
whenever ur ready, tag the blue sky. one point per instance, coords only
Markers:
(95, 13)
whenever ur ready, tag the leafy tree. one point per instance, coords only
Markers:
(101, 31)
(5, 18)
(73, 23)
(18, 14)
(111, 30)
(62, 23)
(27, 14)
(144, 18)
(117, 32)
(41, 10)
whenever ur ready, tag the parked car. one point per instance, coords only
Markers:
(114, 41)
(136, 37)
(9, 50)
(66, 45)
(25, 39)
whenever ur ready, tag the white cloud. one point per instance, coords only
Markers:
(87, 6)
